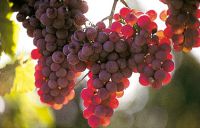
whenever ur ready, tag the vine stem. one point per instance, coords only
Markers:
(112, 12)
(110, 17)
(78, 83)
(124, 2)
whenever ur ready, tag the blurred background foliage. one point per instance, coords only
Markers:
(174, 106)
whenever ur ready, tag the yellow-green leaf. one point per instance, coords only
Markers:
(24, 78)
(8, 36)
(8, 30)
(7, 75)
(4, 8)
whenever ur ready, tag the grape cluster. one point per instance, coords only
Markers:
(51, 24)
(131, 44)
(106, 56)
(183, 24)
(150, 51)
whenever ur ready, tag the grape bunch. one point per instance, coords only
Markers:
(51, 24)
(183, 24)
(150, 51)
(106, 55)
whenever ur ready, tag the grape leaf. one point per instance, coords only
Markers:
(24, 78)
(4, 8)
(8, 30)
(8, 36)
(7, 75)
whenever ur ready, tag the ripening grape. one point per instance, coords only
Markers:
(177, 25)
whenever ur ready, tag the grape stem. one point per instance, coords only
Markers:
(106, 18)
(78, 83)
(124, 2)
(110, 17)
(112, 12)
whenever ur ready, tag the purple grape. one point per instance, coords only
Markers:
(74, 47)
(104, 76)
(50, 38)
(156, 64)
(49, 61)
(114, 37)
(160, 75)
(52, 84)
(50, 29)
(102, 37)
(41, 44)
(54, 67)
(87, 50)
(108, 46)
(79, 19)
(97, 83)
(62, 82)
(62, 34)
(51, 46)
(139, 58)
(95, 69)
(148, 71)
(66, 50)
(111, 87)
(52, 76)
(51, 13)
(72, 59)
(45, 20)
(122, 63)
(161, 55)
(37, 34)
(112, 66)
(113, 56)
(93, 58)
(46, 71)
(91, 33)
(103, 93)
(61, 72)
(120, 46)
(140, 41)
(100, 111)
(79, 35)
(54, 92)
(58, 23)
(116, 77)
(126, 72)
(58, 57)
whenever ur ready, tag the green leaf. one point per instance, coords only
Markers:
(4, 8)
(24, 78)
(7, 75)
(8, 30)
(8, 36)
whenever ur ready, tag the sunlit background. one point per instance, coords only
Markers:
(175, 106)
